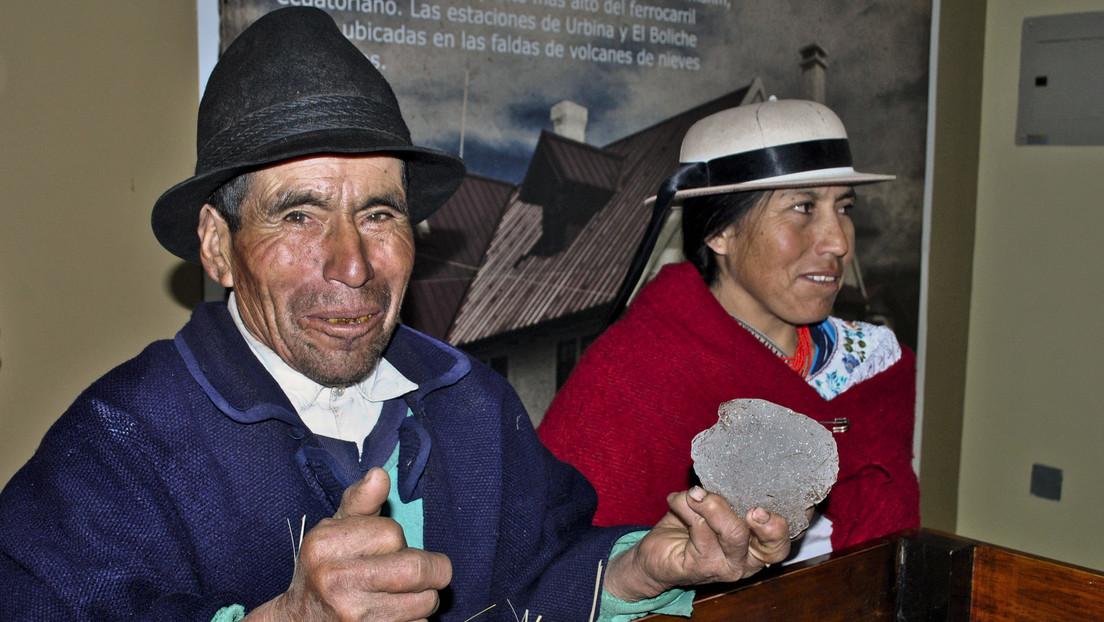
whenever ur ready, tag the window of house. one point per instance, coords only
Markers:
(568, 352)
(499, 364)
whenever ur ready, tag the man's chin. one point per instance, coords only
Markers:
(342, 367)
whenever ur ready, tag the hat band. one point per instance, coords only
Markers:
(232, 144)
(776, 161)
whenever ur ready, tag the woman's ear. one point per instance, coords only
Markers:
(719, 243)
(214, 246)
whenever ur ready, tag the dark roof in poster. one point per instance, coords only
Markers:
(517, 286)
(448, 256)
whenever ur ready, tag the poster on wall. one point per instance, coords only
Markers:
(484, 78)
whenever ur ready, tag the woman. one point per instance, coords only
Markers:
(766, 192)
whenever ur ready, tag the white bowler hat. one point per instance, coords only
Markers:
(786, 143)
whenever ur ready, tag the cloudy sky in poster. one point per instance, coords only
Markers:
(496, 83)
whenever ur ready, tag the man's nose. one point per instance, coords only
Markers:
(346, 256)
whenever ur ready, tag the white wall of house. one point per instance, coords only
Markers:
(531, 364)
(532, 371)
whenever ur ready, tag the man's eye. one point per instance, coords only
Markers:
(845, 208)
(804, 208)
(296, 217)
(380, 216)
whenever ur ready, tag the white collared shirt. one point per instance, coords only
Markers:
(346, 413)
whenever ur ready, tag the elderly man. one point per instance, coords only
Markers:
(295, 454)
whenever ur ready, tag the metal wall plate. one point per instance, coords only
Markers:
(1062, 80)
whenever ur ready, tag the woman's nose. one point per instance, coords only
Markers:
(834, 233)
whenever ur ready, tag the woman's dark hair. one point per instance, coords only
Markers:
(707, 216)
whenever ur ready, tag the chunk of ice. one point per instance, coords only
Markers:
(760, 454)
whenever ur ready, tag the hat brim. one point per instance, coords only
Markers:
(851, 178)
(433, 178)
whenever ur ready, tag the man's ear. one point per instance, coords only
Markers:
(214, 246)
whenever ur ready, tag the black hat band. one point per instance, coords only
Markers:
(290, 119)
(776, 161)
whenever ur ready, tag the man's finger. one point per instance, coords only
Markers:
(403, 584)
(719, 529)
(770, 541)
(366, 497)
(407, 571)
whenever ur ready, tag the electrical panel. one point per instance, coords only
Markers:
(1062, 80)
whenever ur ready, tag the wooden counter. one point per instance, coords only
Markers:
(915, 575)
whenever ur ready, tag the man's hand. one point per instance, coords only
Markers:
(701, 540)
(356, 566)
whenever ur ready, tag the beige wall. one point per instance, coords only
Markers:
(1034, 373)
(97, 117)
(949, 235)
(97, 105)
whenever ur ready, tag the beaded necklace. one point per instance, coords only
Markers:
(761, 337)
(802, 356)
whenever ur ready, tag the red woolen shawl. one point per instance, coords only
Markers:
(654, 379)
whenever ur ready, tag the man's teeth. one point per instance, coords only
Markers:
(348, 320)
(822, 279)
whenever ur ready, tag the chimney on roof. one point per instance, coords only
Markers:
(814, 69)
(569, 120)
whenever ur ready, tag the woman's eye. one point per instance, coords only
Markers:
(804, 208)
(845, 208)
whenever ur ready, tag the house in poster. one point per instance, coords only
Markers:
(525, 277)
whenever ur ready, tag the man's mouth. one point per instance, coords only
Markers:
(349, 320)
(823, 278)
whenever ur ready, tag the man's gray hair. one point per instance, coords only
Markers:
(227, 200)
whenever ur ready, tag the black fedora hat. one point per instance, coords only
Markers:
(291, 85)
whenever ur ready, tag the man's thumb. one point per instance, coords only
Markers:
(366, 497)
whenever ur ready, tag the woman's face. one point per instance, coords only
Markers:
(782, 265)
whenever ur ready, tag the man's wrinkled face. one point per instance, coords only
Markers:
(321, 262)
